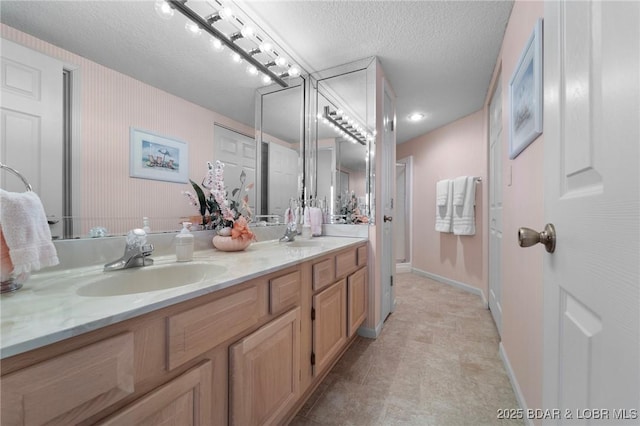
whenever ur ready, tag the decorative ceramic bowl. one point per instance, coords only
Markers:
(229, 244)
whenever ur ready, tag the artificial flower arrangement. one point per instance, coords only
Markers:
(228, 216)
(350, 210)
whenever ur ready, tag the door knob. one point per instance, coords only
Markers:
(528, 237)
(388, 218)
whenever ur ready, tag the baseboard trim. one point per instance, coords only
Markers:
(403, 267)
(454, 283)
(371, 333)
(514, 383)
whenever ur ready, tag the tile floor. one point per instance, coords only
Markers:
(436, 362)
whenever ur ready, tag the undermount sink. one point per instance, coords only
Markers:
(149, 278)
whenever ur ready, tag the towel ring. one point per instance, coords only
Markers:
(17, 173)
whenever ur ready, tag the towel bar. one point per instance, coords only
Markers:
(17, 173)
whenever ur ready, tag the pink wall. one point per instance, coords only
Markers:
(523, 206)
(454, 150)
(111, 103)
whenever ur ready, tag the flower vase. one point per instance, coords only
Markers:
(226, 243)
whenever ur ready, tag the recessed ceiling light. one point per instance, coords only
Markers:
(416, 116)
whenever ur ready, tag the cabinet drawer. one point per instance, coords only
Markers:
(323, 274)
(362, 256)
(197, 330)
(346, 262)
(71, 387)
(284, 292)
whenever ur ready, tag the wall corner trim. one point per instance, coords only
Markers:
(514, 383)
(454, 283)
(371, 333)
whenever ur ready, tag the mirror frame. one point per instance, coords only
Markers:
(303, 82)
(368, 66)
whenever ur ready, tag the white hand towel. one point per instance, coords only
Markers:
(444, 213)
(442, 192)
(459, 189)
(26, 231)
(464, 217)
(315, 217)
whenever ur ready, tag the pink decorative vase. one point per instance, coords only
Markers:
(229, 244)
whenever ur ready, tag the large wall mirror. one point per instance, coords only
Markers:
(126, 68)
(281, 139)
(344, 141)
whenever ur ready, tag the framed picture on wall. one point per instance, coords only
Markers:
(157, 157)
(525, 95)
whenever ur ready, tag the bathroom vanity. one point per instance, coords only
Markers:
(244, 346)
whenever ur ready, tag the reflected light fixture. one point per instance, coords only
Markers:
(345, 126)
(416, 116)
(275, 69)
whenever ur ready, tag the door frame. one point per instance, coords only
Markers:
(408, 205)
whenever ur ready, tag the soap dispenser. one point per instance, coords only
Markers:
(184, 244)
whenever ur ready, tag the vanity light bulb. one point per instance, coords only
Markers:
(247, 32)
(226, 13)
(266, 47)
(266, 79)
(281, 62)
(216, 44)
(252, 70)
(294, 71)
(235, 57)
(163, 9)
(193, 29)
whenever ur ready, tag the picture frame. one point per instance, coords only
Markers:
(525, 95)
(157, 157)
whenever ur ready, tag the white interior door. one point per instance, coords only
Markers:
(388, 188)
(592, 196)
(283, 178)
(237, 152)
(495, 205)
(31, 125)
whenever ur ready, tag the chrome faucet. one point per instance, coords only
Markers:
(135, 252)
(290, 233)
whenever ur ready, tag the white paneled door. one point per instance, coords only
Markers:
(238, 153)
(31, 125)
(592, 196)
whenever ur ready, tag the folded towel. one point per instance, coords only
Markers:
(315, 220)
(26, 232)
(442, 192)
(459, 187)
(444, 213)
(5, 266)
(464, 217)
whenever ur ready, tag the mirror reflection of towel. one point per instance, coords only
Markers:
(26, 232)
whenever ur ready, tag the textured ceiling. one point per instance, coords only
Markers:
(438, 55)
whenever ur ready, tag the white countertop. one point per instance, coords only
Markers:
(49, 309)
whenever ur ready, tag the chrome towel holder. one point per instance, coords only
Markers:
(17, 173)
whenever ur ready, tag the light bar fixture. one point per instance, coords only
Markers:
(245, 32)
(346, 126)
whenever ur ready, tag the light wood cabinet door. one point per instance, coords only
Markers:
(356, 300)
(264, 373)
(329, 325)
(71, 387)
(184, 401)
